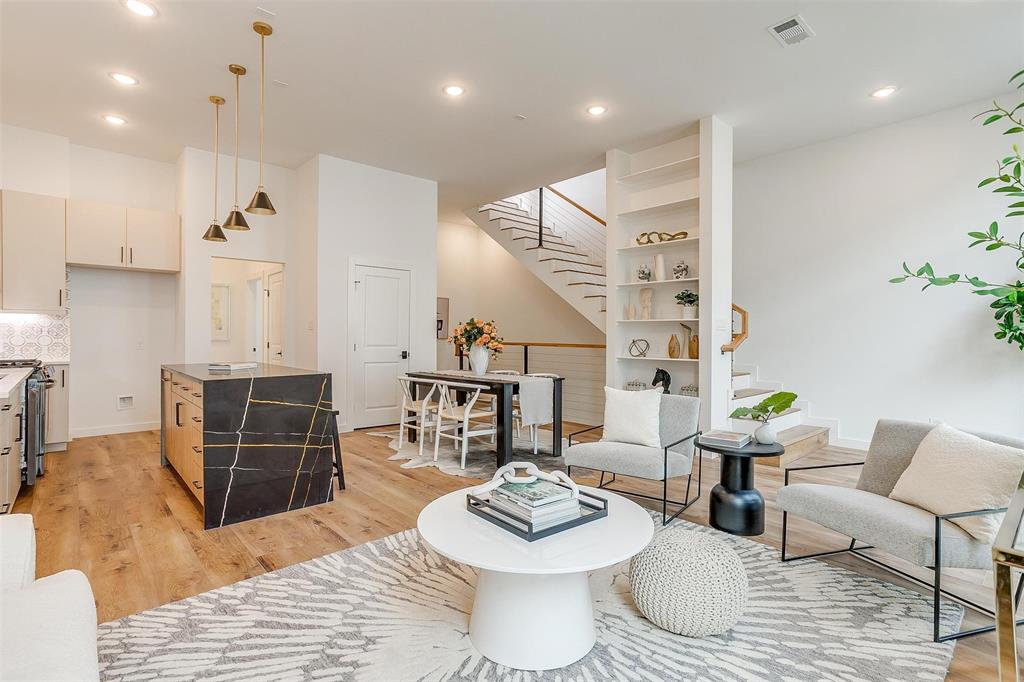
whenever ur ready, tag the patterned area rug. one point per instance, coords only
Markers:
(392, 610)
(480, 457)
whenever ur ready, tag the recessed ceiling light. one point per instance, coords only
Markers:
(882, 93)
(143, 9)
(596, 110)
(114, 120)
(454, 90)
(124, 79)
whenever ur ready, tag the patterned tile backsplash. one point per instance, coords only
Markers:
(29, 335)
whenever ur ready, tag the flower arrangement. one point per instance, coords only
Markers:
(479, 334)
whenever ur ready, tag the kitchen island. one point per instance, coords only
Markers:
(248, 443)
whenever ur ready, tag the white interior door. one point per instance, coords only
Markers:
(380, 343)
(273, 324)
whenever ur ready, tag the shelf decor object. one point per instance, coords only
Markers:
(638, 348)
(646, 238)
(646, 303)
(236, 219)
(214, 233)
(680, 270)
(260, 204)
(674, 349)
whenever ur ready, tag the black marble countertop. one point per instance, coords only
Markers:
(201, 372)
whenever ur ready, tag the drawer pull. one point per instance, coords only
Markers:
(198, 450)
(197, 485)
(197, 419)
(5, 451)
(5, 408)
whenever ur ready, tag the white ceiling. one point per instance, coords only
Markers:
(364, 79)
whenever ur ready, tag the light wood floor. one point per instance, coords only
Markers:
(108, 508)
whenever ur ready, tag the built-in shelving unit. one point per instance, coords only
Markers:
(667, 188)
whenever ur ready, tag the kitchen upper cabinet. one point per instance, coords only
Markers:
(96, 234)
(153, 241)
(32, 252)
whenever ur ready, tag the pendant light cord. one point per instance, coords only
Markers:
(216, 155)
(262, 71)
(237, 77)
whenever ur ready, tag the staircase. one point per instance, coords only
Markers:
(572, 269)
(798, 437)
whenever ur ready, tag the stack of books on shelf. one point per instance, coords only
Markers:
(727, 439)
(543, 503)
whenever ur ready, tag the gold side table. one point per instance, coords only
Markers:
(1008, 555)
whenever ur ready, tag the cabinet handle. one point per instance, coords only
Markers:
(5, 408)
(62, 378)
(198, 420)
(177, 414)
(197, 486)
(5, 451)
(197, 395)
(122, 254)
(196, 449)
(131, 255)
(20, 421)
(60, 298)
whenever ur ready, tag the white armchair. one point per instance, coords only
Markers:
(47, 626)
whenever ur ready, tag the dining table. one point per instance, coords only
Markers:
(503, 387)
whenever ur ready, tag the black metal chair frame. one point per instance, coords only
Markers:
(683, 505)
(336, 441)
(935, 586)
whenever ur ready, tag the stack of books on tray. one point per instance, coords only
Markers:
(726, 439)
(543, 503)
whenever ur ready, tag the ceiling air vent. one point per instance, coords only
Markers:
(791, 31)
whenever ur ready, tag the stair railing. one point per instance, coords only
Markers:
(568, 219)
(738, 337)
(526, 346)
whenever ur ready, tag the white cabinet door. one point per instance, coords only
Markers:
(57, 399)
(154, 240)
(33, 252)
(96, 234)
(10, 449)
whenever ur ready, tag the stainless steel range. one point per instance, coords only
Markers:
(34, 435)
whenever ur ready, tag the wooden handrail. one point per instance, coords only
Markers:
(589, 213)
(738, 337)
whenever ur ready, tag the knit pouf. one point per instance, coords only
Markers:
(689, 583)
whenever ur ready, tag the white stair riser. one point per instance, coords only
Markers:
(504, 221)
(741, 381)
(749, 401)
(780, 423)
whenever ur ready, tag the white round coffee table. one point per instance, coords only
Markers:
(533, 609)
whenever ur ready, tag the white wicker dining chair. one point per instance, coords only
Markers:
(419, 414)
(462, 420)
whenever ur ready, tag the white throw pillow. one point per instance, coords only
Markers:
(953, 471)
(632, 416)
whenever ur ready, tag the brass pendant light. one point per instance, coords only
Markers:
(214, 233)
(260, 203)
(236, 220)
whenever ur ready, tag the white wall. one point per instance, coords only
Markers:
(374, 216)
(483, 280)
(588, 190)
(819, 231)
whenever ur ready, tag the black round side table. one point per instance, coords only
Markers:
(737, 507)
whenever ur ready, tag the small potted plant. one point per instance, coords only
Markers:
(480, 341)
(689, 300)
(776, 403)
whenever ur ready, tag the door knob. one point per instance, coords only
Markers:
(405, 355)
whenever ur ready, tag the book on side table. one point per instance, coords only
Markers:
(727, 439)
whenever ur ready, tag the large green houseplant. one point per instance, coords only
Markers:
(1009, 297)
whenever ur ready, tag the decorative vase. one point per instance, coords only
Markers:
(765, 434)
(694, 347)
(690, 312)
(674, 349)
(478, 359)
(659, 268)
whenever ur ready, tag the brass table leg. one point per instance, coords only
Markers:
(1006, 631)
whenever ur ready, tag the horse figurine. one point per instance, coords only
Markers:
(662, 378)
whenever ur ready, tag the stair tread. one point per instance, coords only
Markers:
(527, 223)
(748, 392)
(596, 296)
(800, 432)
(569, 260)
(774, 416)
(741, 374)
(582, 272)
(596, 284)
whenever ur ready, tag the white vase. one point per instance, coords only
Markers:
(479, 356)
(765, 434)
(659, 268)
(690, 312)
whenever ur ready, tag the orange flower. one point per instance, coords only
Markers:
(485, 338)
(480, 342)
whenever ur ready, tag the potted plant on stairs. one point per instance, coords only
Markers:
(773, 405)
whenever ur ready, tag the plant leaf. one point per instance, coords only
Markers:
(987, 181)
(1013, 130)
(898, 280)
(992, 119)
